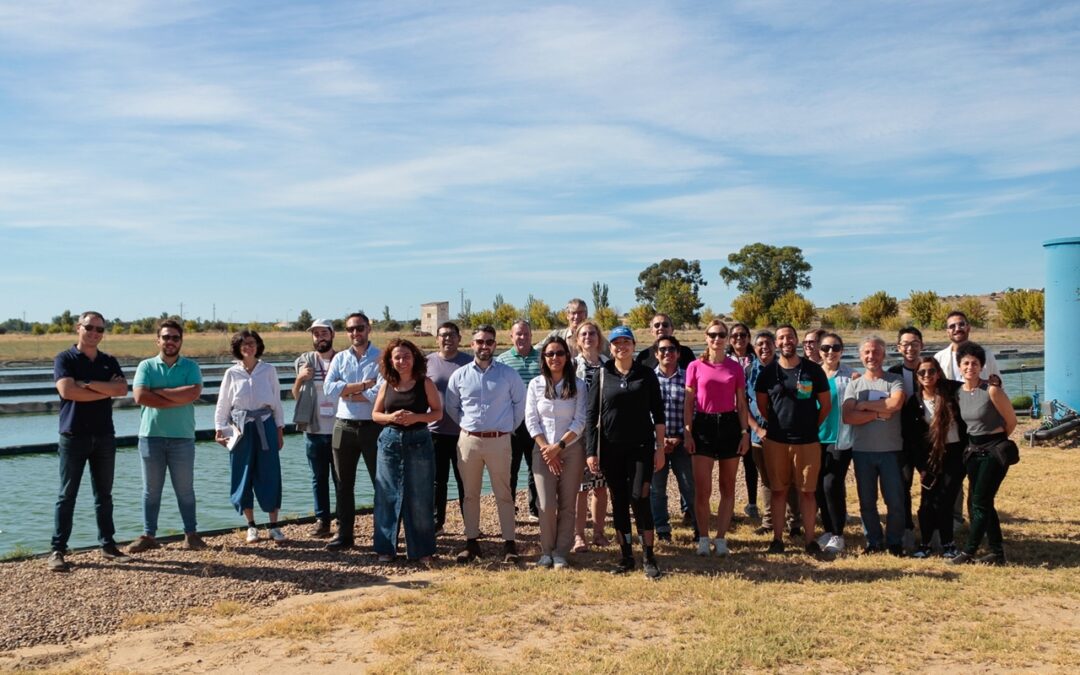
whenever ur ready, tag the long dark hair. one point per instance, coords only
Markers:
(938, 433)
(730, 349)
(569, 374)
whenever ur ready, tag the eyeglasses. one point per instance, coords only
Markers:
(926, 373)
(561, 354)
(93, 329)
(446, 336)
(355, 329)
(489, 342)
(716, 336)
(909, 345)
(957, 326)
(171, 338)
(662, 324)
(667, 350)
(809, 342)
(825, 349)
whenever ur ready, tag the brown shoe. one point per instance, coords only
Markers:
(321, 529)
(510, 554)
(143, 543)
(193, 542)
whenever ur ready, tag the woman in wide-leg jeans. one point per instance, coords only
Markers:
(405, 465)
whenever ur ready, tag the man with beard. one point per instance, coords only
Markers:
(959, 332)
(793, 396)
(314, 415)
(166, 386)
(487, 400)
(351, 381)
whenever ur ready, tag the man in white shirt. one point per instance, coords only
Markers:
(959, 331)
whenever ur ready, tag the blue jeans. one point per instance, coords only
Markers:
(870, 467)
(75, 452)
(682, 463)
(178, 456)
(320, 457)
(254, 470)
(405, 490)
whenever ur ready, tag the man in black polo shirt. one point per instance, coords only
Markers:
(87, 380)
(662, 327)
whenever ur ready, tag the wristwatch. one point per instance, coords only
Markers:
(562, 444)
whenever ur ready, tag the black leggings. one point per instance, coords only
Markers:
(832, 489)
(936, 504)
(986, 474)
(751, 474)
(628, 477)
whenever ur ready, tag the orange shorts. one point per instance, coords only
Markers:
(789, 464)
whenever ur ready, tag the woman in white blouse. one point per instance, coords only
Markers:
(250, 421)
(555, 418)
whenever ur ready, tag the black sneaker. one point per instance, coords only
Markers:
(57, 563)
(992, 559)
(777, 546)
(652, 571)
(922, 552)
(510, 554)
(339, 543)
(470, 553)
(795, 532)
(871, 549)
(110, 552)
(663, 536)
(962, 558)
(897, 550)
(813, 548)
(624, 566)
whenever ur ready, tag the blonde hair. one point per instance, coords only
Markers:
(721, 350)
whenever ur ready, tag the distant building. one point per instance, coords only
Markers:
(432, 314)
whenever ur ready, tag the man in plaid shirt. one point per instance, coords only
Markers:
(673, 390)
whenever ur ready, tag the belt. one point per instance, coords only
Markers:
(354, 423)
(486, 434)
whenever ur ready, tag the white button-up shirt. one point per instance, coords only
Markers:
(554, 417)
(241, 390)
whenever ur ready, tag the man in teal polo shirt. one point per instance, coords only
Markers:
(525, 359)
(166, 386)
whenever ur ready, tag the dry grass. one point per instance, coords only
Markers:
(749, 612)
(42, 349)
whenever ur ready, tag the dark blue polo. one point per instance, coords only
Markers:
(92, 418)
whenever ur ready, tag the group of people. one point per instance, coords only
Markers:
(586, 423)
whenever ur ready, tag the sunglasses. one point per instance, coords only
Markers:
(667, 350)
(716, 336)
(740, 336)
(662, 324)
(171, 338)
(489, 342)
(446, 336)
(825, 349)
(93, 329)
(560, 354)
(355, 329)
(926, 373)
(957, 326)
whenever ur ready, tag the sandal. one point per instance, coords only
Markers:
(580, 546)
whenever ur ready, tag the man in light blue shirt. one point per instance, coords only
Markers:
(166, 386)
(487, 400)
(351, 380)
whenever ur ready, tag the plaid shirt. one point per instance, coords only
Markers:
(673, 390)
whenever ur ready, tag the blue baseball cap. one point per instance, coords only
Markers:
(620, 332)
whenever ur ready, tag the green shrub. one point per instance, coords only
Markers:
(921, 307)
(1021, 402)
(839, 317)
(748, 308)
(792, 308)
(874, 309)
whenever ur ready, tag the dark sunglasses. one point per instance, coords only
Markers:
(667, 350)
(957, 326)
(93, 329)
(489, 342)
(740, 336)
(716, 336)
(831, 348)
(446, 336)
(171, 338)
(355, 329)
(926, 373)
(561, 354)
(662, 324)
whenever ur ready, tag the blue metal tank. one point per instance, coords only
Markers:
(1063, 321)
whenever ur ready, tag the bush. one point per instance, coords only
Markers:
(893, 324)
(874, 309)
(1021, 402)
(1022, 308)
(792, 308)
(839, 317)
(976, 312)
(921, 307)
(750, 309)
(606, 317)
(639, 316)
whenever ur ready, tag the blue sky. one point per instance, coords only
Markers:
(272, 156)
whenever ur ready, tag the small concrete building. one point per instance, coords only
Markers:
(432, 314)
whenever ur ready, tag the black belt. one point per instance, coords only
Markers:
(486, 434)
(355, 423)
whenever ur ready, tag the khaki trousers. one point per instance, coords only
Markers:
(473, 455)
(557, 496)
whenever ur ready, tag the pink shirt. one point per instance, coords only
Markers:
(714, 385)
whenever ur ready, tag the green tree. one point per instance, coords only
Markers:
(975, 311)
(606, 317)
(539, 315)
(672, 269)
(874, 309)
(792, 308)
(767, 271)
(465, 316)
(750, 309)
(707, 315)
(677, 299)
(840, 317)
(497, 301)
(921, 307)
(193, 326)
(639, 316)
(484, 316)
(505, 315)
(303, 320)
(599, 295)
(1035, 309)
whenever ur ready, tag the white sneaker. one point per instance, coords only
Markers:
(721, 546)
(835, 545)
(560, 562)
(545, 561)
(276, 534)
(703, 546)
(252, 535)
(824, 540)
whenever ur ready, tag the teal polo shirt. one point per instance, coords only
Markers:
(528, 367)
(167, 422)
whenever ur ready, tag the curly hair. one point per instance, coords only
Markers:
(238, 339)
(386, 361)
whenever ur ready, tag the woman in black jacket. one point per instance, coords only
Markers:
(935, 432)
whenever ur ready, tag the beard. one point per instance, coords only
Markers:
(323, 345)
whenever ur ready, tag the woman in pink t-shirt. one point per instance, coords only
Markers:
(717, 415)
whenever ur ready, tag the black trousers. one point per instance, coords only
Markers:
(445, 459)
(521, 445)
(351, 441)
(628, 475)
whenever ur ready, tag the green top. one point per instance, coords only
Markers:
(527, 367)
(176, 422)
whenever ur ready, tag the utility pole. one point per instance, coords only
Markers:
(181, 311)
(461, 306)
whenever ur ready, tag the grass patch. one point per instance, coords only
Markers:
(18, 553)
(146, 620)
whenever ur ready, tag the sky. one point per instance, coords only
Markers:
(246, 160)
